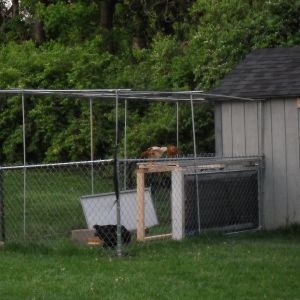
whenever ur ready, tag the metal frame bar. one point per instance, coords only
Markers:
(182, 160)
(24, 164)
(2, 209)
(92, 144)
(49, 165)
(177, 125)
(193, 125)
(161, 96)
(125, 145)
(117, 179)
(195, 156)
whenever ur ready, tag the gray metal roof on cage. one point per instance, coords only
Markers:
(126, 94)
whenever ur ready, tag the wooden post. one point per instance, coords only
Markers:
(140, 205)
(140, 215)
(298, 102)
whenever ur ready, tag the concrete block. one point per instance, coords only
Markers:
(85, 237)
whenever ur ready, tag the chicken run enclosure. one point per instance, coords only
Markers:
(132, 200)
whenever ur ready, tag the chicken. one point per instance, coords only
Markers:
(158, 152)
(154, 152)
(108, 234)
(172, 151)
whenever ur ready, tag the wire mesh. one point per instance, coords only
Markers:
(226, 200)
(77, 202)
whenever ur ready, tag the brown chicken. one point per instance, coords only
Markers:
(158, 152)
(154, 152)
(172, 151)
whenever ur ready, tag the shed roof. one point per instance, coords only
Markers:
(264, 73)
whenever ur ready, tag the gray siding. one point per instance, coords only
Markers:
(292, 161)
(218, 130)
(238, 129)
(240, 132)
(227, 129)
(279, 160)
(251, 128)
(240, 135)
(269, 219)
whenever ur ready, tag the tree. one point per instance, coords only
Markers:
(15, 8)
(38, 32)
(3, 10)
(179, 45)
(107, 8)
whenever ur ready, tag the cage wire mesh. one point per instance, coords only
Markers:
(155, 199)
(45, 203)
(182, 198)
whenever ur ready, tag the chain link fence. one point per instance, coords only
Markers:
(159, 199)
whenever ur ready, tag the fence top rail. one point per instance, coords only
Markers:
(49, 165)
(127, 94)
(199, 161)
(200, 157)
(182, 161)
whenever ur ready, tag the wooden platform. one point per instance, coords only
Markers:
(157, 167)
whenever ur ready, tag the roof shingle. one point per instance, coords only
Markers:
(264, 73)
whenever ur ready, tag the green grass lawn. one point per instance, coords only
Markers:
(254, 265)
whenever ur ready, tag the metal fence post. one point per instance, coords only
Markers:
(195, 157)
(92, 144)
(116, 182)
(125, 145)
(24, 164)
(177, 125)
(2, 212)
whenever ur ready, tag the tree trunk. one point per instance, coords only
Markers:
(139, 39)
(38, 32)
(15, 8)
(3, 13)
(107, 13)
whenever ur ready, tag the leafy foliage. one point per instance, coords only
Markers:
(160, 45)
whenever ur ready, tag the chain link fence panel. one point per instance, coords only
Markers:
(159, 199)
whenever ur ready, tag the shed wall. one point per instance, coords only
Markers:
(239, 132)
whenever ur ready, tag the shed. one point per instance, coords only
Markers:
(269, 125)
